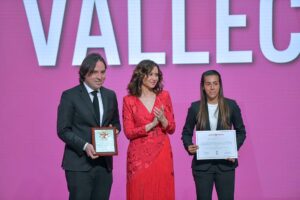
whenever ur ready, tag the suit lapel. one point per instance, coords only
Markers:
(105, 104)
(87, 101)
(207, 123)
(219, 122)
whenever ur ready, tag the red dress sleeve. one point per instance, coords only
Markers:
(130, 129)
(169, 114)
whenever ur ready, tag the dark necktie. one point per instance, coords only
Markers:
(96, 105)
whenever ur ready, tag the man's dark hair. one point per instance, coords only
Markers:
(88, 65)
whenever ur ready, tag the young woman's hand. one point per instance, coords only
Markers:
(193, 148)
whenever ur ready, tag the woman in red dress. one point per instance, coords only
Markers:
(148, 119)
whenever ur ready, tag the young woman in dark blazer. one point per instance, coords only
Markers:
(213, 112)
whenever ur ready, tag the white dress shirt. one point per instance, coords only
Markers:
(213, 113)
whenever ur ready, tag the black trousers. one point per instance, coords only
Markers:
(223, 180)
(94, 184)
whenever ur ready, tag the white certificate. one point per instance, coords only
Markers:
(220, 144)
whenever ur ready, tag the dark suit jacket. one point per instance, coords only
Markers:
(235, 120)
(75, 118)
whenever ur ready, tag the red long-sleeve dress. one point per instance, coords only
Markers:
(150, 173)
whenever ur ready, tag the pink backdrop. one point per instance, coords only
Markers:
(267, 92)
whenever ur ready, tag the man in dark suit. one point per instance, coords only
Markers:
(88, 176)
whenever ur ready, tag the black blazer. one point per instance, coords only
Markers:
(188, 130)
(75, 118)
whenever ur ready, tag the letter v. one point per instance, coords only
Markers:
(46, 49)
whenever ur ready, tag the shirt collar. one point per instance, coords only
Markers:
(89, 90)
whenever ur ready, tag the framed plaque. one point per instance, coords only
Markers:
(104, 141)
